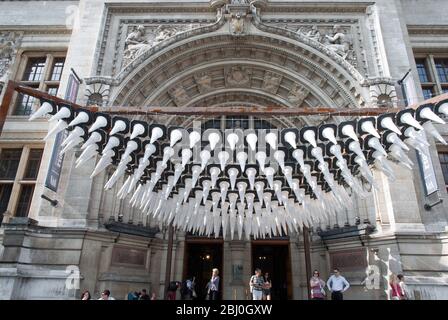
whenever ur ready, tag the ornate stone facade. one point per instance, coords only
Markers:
(219, 53)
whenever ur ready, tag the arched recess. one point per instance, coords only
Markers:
(218, 69)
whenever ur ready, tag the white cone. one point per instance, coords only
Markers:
(232, 139)
(119, 126)
(271, 139)
(241, 157)
(310, 136)
(349, 131)
(291, 138)
(213, 138)
(429, 127)
(82, 117)
(194, 138)
(260, 156)
(44, 109)
(252, 141)
(63, 113)
(427, 113)
(156, 133)
(407, 118)
(99, 123)
(388, 123)
(60, 126)
(94, 138)
(328, 133)
(368, 127)
(138, 130)
(175, 137)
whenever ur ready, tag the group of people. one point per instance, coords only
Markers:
(398, 288)
(337, 285)
(105, 295)
(260, 286)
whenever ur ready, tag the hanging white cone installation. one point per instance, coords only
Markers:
(45, 108)
(237, 186)
(252, 141)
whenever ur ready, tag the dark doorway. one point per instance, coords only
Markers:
(275, 259)
(200, 259)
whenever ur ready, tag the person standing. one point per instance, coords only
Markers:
(256, 285)
(395, 289)
(144, 295)
(267, 286)
(86, 295)
(406, 294)
(172, 288)
(213, 285)
(337, 285)
(317, 286)
(105, 295)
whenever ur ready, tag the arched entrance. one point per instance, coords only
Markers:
(214, 67)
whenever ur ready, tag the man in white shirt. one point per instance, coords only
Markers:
(337, 285)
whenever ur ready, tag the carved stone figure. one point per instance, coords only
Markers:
(237, 23)
(297, 95)
(179, 95)
(136, 43)
(313, 33)
(338, 42)
(271, 82)
(9, 42)
(204, 82)
(237, 76)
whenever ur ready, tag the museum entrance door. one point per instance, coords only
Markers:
(273, 256)
(201, 256)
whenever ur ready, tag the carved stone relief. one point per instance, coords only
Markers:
(9, 43)
(204, 82)
(142, 38)
(271, 82)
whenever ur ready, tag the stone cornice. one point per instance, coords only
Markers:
(33, 29)
(160, 7)
(436, 30)
(321, 7)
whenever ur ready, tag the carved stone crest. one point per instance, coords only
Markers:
(271, 82)
(238, 76)
(179, 95)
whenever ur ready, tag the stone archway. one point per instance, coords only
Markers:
(256, 64)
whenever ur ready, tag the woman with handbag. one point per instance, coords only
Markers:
(317, 287)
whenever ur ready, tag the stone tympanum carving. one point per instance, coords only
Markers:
(237, 76)
(204, 82)
(271, 82)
